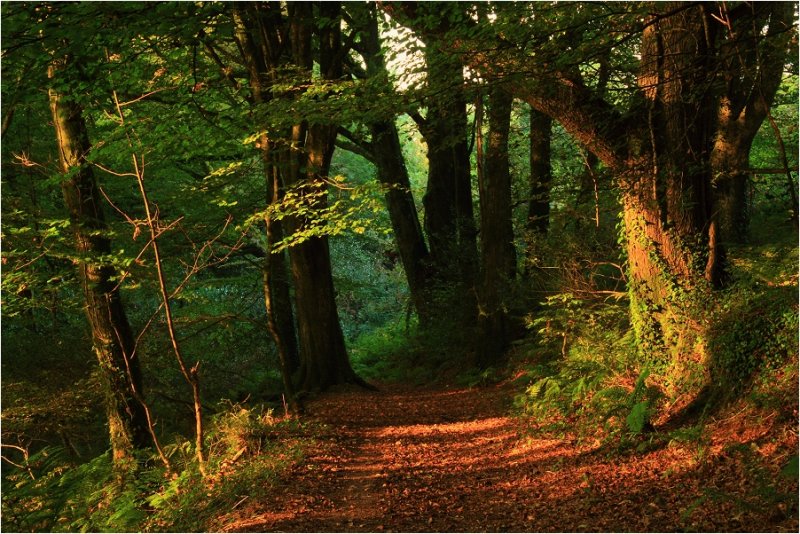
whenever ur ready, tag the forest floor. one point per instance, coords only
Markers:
(445, 459)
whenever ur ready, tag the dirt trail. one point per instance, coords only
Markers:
(410, 460)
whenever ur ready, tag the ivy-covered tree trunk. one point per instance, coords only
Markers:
(449, 217)
(498, 256)
(671, 213)
(392, 173)
(674, 255)
(541, 171)
(111, 333)
(663, 152)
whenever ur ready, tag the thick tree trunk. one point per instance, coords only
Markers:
(449, 218)
(111, 333)
(541, 171)
(323, 355)
(498, 256)
(730, 161)
(749, 92)
(673, 254)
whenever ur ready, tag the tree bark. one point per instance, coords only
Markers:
(392, 173)
(260, 62)
(323, 355)
(749, 92)
(277, 293)
(449, 218)
(498, 256)
(669, 226)
(541, 172)
(111, 333)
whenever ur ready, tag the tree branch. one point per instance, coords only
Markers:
(357, 145)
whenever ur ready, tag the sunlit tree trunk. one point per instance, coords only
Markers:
(111, 333)
(671, 213)
(674, 255)
(498, 256)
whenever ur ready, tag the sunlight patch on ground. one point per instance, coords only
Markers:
(464, 427)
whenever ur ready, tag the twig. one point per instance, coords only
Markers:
(240, 502)
(25, 455)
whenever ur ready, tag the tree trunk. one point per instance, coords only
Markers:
(749, 92)
(449, 219)
(730, 160)
(392, 173)
(277, 292)
(410, 240)
(541, 172)
(669, 225)
(498, 256)
(671, 214)
(323, 355)
(111, 333)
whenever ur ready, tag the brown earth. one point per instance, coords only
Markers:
(419, 459)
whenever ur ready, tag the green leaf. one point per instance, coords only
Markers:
(792, 468)
(637, 419)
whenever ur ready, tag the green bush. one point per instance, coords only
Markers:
(755, 330)
(590, 378)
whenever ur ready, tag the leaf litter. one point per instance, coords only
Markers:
(410, 459)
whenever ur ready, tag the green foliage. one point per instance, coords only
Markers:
(590, 380)
(475, 377)
(249, 450)
(640, 405)
(389, 353)
(753, 331)
(54, 494)
(352, 209)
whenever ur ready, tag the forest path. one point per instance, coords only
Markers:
(418, 459)
(399, 459)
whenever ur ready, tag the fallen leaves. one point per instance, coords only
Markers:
(407, 459)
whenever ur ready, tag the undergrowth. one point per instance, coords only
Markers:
(581, 377)
(249, 450)
(584, 377)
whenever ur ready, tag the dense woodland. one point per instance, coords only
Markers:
(217, 216)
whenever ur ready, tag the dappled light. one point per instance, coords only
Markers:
(332, 266)
(478, 473)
